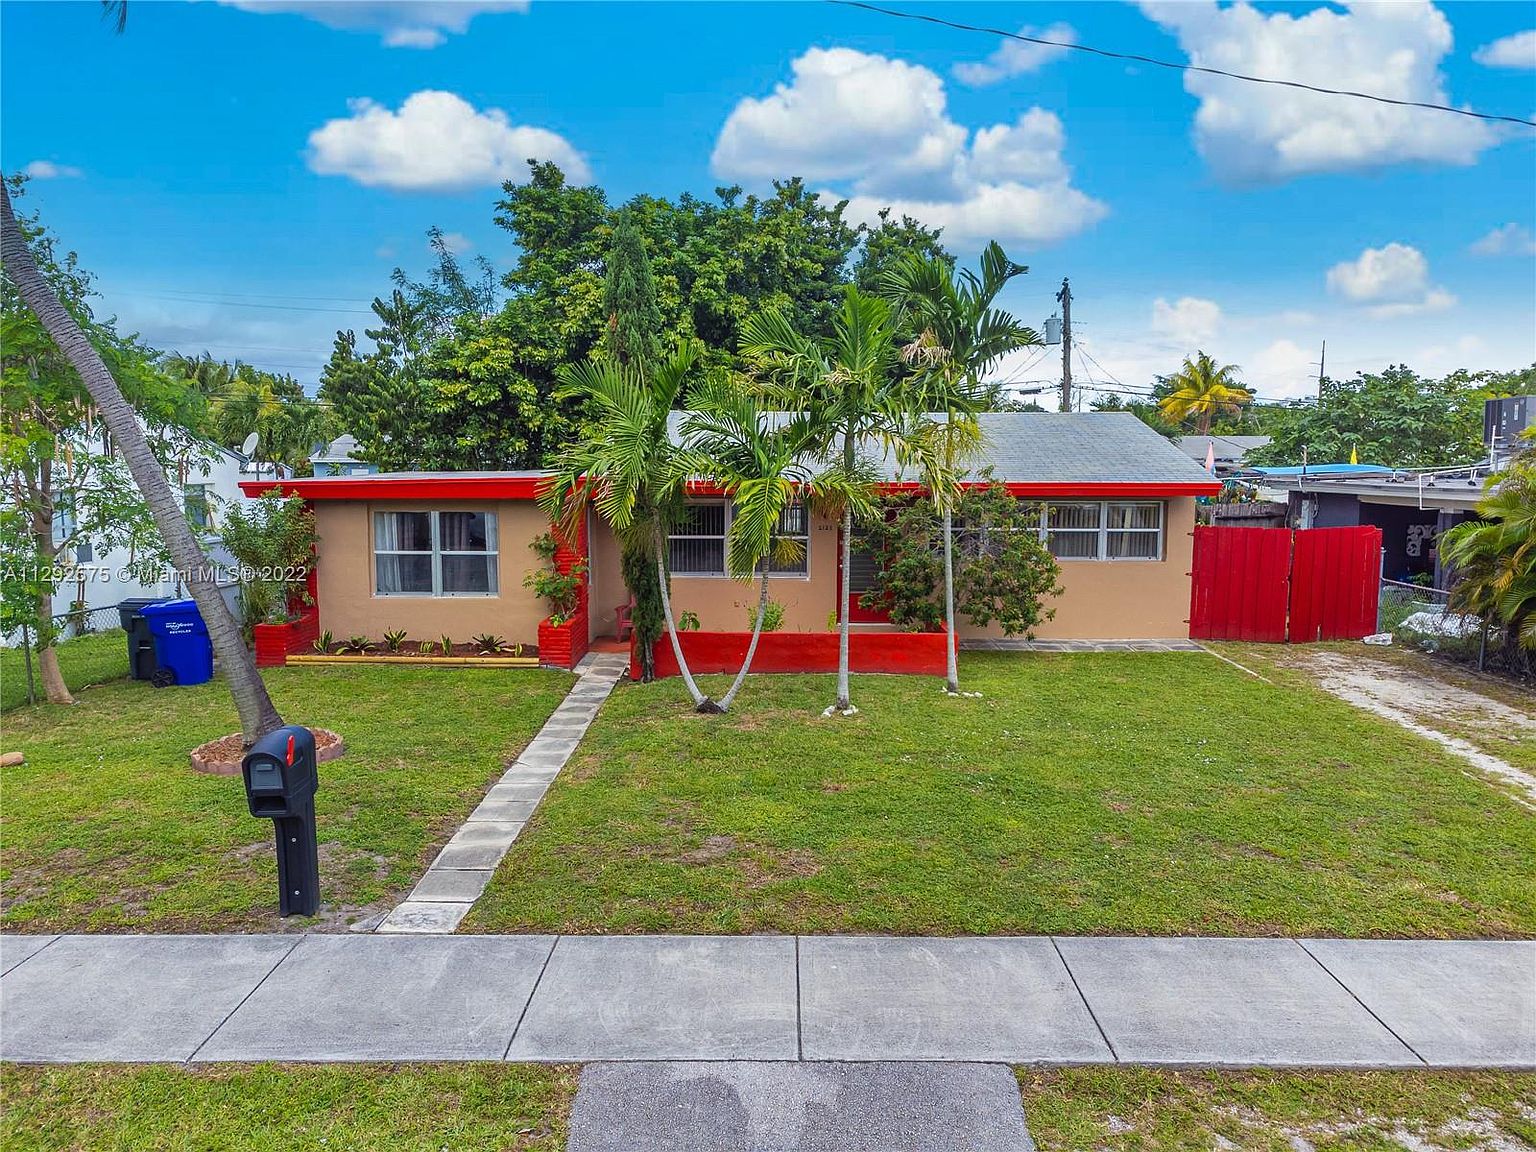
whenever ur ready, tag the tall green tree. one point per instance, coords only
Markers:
(631, 319)
(632, 335)
(1203, 389)
(956, 335)
(1394, 417)
(848, 388)
(34, 289)
(627, 466)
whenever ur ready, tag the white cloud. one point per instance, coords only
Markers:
(400, 23)
(879, 129)
(457, 242)
(48, 170)
(1392, 280)
(1015, 57)
(1282, 370)
(1255, 133)
(1516, 51)
(1509, 240)
(1189, 320)
(436, 141)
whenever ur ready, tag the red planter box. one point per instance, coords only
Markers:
(562, 645)
(274, 642)
(912, 653)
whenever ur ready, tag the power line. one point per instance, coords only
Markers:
(242, 304)
(1184, 67)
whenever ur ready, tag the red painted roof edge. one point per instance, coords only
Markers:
(450, 486)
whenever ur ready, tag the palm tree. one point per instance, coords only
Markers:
(959, 335)
(765, 473)
(1494, 558)
(626, 466)
(846, 387)
(1204, 389)
(257, 715)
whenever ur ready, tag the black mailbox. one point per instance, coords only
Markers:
(280, 783)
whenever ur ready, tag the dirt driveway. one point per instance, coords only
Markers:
(1489, 723)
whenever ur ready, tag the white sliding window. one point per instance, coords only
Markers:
(434, 554)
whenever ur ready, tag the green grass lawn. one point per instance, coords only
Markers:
(106, 827)
(1434, 680)
(280, 1108)
(83, 661)
(1083, 793)
(1121, 1109)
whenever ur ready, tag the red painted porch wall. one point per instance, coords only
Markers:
(912, 653)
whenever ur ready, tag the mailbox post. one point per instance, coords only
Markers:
(280, 783)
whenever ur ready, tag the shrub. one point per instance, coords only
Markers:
(394, 640)
(773, 616)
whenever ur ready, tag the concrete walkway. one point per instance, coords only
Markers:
(451, 885)
(1340, 1003)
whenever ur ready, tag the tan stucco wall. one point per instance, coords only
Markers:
(722, 604)
(348, 606)
(606, 573)
(1123, 599)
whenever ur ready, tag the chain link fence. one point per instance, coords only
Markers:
(84, 621)
(1420, 617)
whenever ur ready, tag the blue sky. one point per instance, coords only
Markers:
(243, 176)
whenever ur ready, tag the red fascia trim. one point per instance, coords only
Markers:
(1068, 488)
(446, 487)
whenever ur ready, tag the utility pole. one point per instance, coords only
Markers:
(1322, 369)
(1065, 297)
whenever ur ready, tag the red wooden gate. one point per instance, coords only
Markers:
(1335, 583)
(1271, 585)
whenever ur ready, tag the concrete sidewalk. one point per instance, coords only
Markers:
(1341, 1003)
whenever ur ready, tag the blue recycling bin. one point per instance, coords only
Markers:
(182, 647)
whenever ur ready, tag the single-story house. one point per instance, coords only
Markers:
(340, 458)
(1412, 508)
(438, 553)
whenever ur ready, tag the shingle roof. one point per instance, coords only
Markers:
(1068, 448)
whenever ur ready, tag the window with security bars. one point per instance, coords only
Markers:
(1104, 530)
(795, 525)
(696, 544)
(435, 554)
(1072, 530)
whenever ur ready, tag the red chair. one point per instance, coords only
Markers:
(623, 617)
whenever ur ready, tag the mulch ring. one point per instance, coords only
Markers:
(222, 757)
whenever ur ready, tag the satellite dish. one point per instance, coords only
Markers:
(248, 445)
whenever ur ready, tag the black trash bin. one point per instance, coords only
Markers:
(142, 664)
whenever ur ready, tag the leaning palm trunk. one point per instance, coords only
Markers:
(257, 715)
(757, 631)
(951, 663)
(701, 702)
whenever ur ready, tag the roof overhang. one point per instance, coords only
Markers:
(447, 486)
(452, 486)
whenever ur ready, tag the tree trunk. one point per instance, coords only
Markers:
(951, 663)
(54, 688)
(701, 702)
(757, 631)
(55, 691)
(257, 715)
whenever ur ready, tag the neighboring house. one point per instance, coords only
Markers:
(1229, 450)
(338, 458)
(1411, 507)
(208, 488)
(439, 553)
